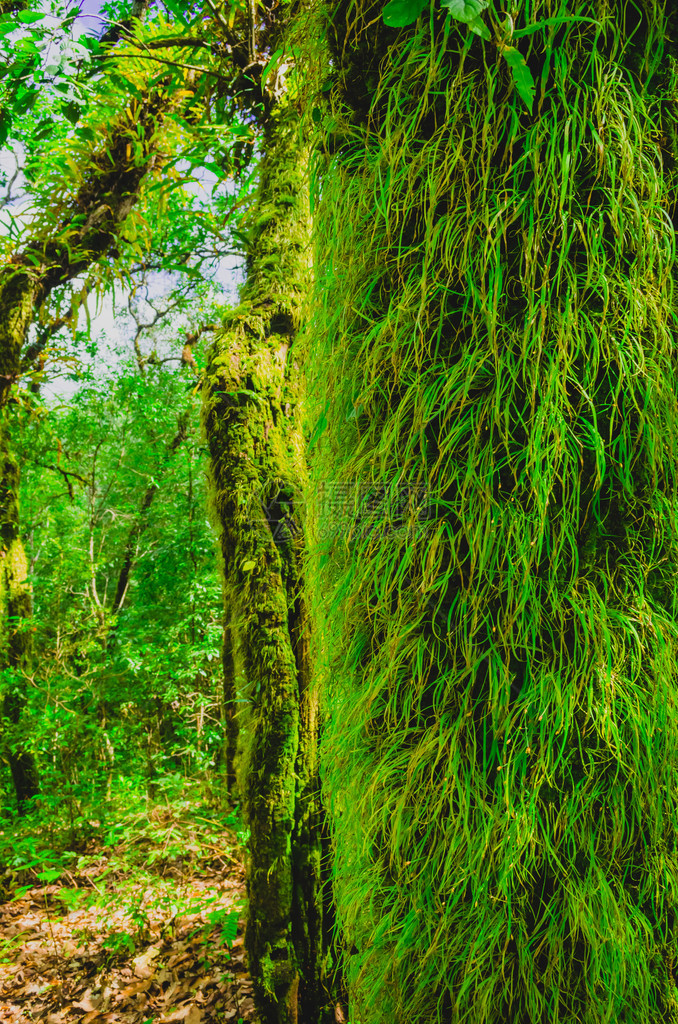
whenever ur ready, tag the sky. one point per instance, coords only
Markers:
(88, 20)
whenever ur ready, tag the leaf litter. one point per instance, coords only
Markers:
(146, 931)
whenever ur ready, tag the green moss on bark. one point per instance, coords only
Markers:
(252, 416)
(16, 308)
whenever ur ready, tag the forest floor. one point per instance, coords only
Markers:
(143, 930)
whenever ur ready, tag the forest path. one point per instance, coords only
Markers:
(147, 931)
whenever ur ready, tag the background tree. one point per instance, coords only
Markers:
(495, 605)
(256, 96)
(124, 692)
(252, 414)
(84, 194)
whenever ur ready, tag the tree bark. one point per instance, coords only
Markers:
(252, 421)
(15, 596)
(15, 635)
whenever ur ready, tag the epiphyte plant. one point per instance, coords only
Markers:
(400, 13)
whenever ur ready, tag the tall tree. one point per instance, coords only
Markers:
(495, 608)
(252, 411)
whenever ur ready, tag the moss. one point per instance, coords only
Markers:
(229, 709)
(15, 609)
(17, 292)
(252, 416)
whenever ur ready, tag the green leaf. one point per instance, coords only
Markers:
(320, 428)
(480, 28)
(522, 76)
(176, 10)
(466, 10)
(248, 566)
(28, 17)
(399, 13)
(229, 930)
(550, 22)
(265, 73)
(71, 112)
(50, 875)
(21, 892)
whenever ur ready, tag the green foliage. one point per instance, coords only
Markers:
(131, 687)
(465, 11)
(137, 838)
(522, 76)
(151, 876)
(39, 57)
(65, 140)
(400, 13)
(495, 529)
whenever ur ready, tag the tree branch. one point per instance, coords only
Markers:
(138, 528)
(184, 67)
(66, 473)
(177, 41)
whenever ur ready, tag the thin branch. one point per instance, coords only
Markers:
(184, 67)
(8, 197)
(66, 473)
(178, 41)
(143, 360)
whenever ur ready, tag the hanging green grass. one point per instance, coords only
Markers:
(495, 386)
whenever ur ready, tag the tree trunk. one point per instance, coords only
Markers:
(229, 708)
(495, 588)
(252, 420)
(16, 307)
(15, 635)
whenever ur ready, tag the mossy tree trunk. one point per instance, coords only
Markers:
(497, 609)
(17, 291)
(15, 630)
(229, 706)
(252, 410)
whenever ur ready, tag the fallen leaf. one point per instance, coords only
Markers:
(189, 1014)
(143, 965)
(134, 989)
(86, 1002)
